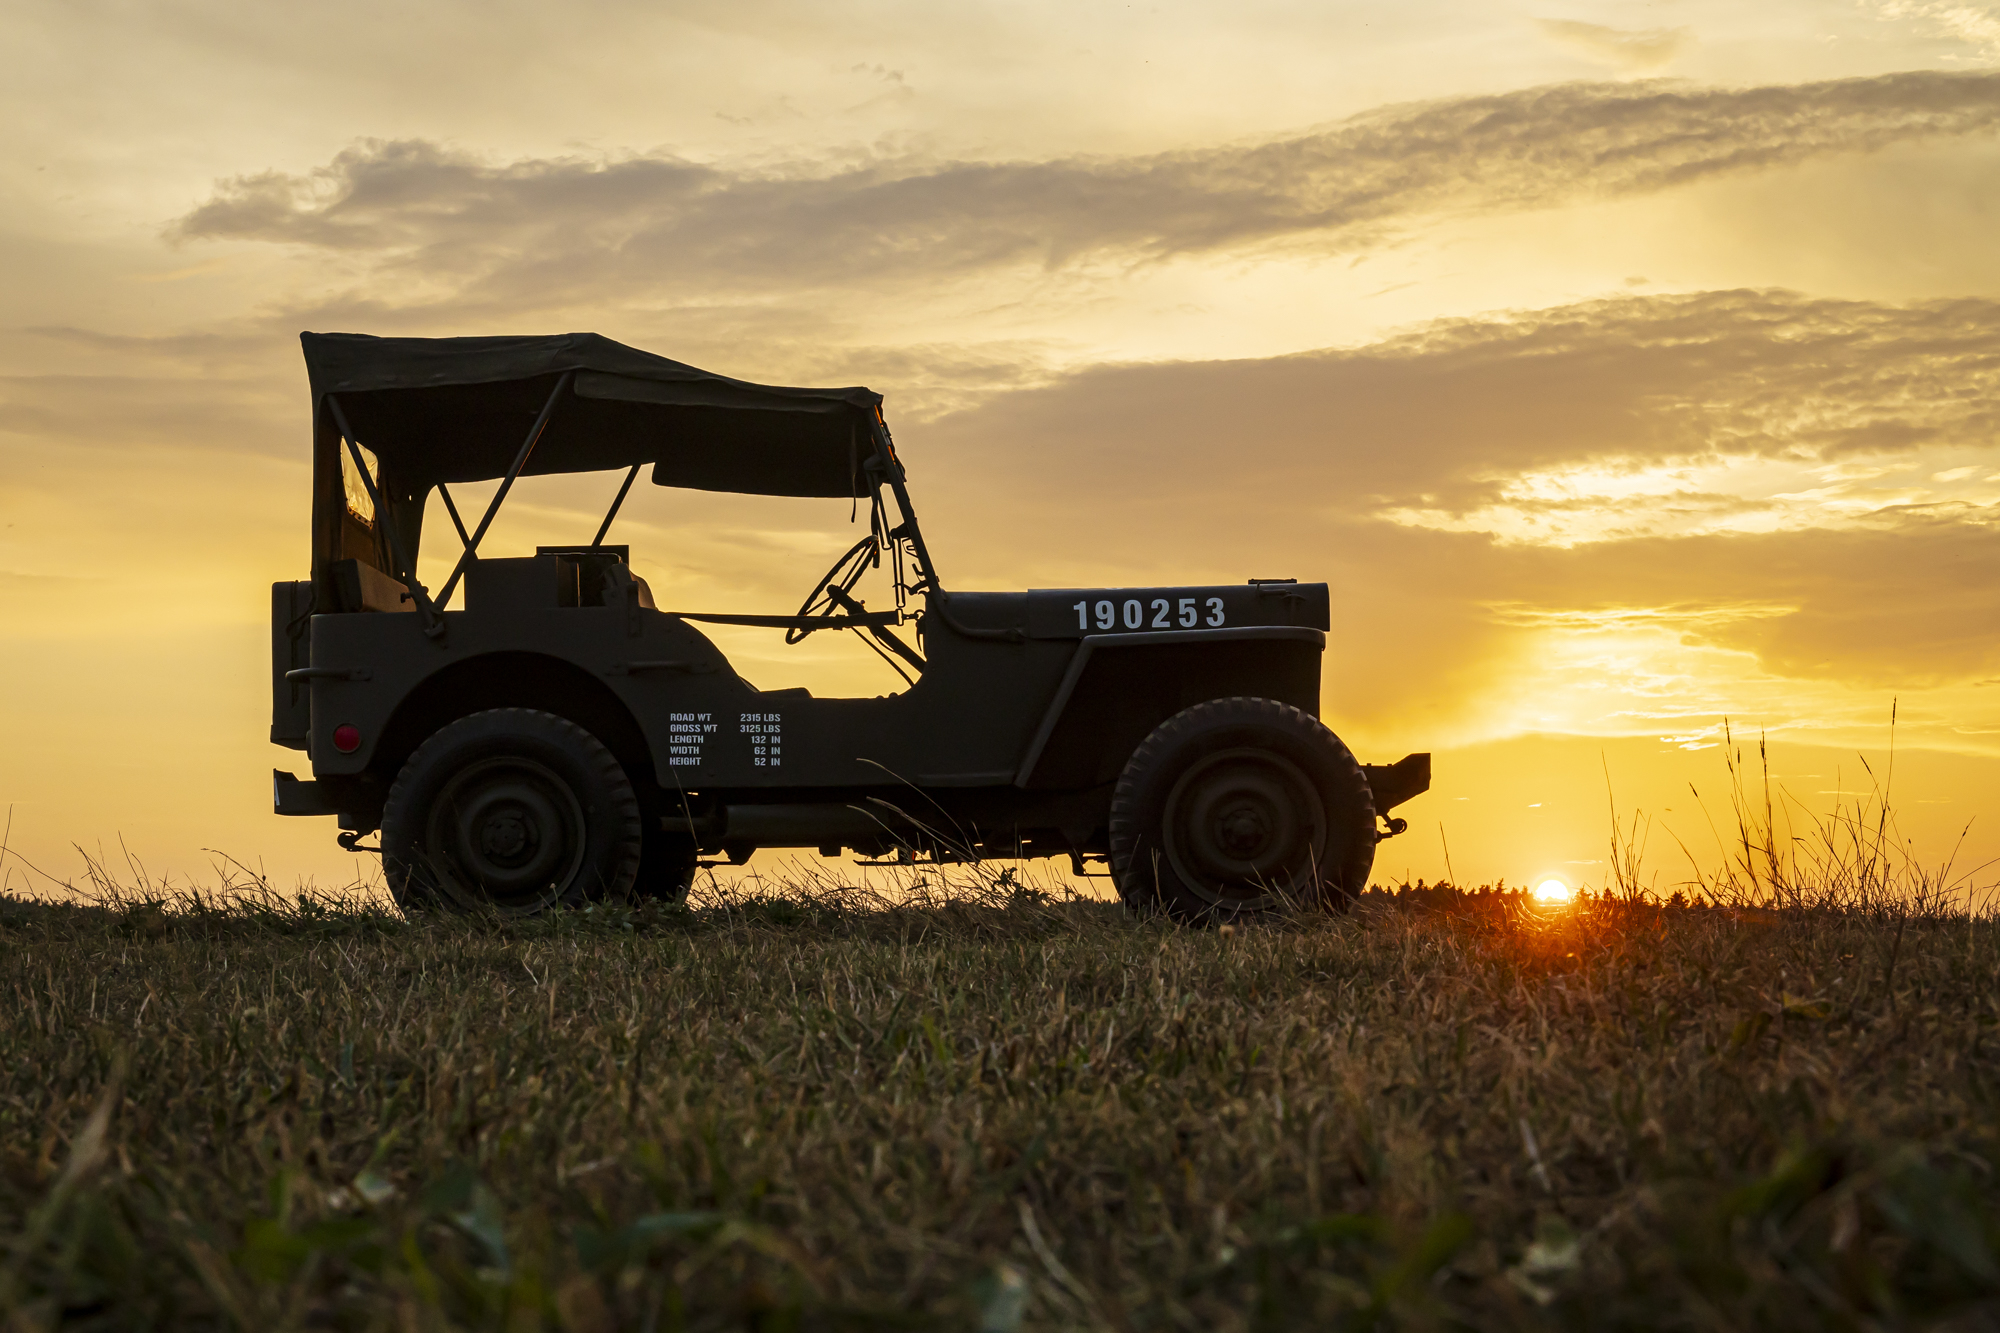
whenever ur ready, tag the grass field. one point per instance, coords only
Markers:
(983, 1107)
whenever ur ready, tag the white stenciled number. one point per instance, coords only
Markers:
(1148, 613)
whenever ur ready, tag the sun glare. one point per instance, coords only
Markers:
(1553, 890)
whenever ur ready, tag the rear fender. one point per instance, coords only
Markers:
(1120, 686)
(514, 680)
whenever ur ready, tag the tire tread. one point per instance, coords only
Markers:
(603, 765)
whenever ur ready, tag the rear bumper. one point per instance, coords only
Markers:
(289, 796)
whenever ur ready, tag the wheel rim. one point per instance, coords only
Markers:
(1243, 827)
(507, 834)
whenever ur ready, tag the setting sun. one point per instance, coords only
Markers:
(1553, 890)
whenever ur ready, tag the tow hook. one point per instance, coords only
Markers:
(351, 842)
(1395, 826)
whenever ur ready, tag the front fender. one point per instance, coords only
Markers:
(1120, 686)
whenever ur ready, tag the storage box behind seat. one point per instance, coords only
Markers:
(520, 583)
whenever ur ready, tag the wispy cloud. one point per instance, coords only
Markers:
(1633, 51)
(1975, 25)
(464, 227)
(1622, 407)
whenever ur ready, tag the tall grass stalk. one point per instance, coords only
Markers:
(1775, 853)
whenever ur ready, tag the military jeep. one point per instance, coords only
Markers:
(558, 737)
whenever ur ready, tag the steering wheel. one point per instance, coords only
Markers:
(830, 595)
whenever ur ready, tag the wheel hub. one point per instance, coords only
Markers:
(1244, 826)
(509, 833)
(506, 834)
(1243, 831)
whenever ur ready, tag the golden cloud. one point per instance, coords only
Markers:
(534, 232)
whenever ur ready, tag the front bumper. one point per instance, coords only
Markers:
(1396, 783)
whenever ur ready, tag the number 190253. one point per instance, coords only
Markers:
(1136, 613)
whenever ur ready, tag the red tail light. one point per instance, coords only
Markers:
(347, 738)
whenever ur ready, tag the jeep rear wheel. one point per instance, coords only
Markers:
(510, 811)
(1239, 806)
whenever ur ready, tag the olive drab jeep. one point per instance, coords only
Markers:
(540, 732)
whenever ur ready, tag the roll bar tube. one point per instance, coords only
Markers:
(471, 551)
(616, 505)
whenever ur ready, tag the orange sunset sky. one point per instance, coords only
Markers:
(1625, 367)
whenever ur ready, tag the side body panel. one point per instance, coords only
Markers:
(704, 726)
(1017, 732)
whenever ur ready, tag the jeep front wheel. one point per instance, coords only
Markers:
(1239, 806)
(511, 811)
